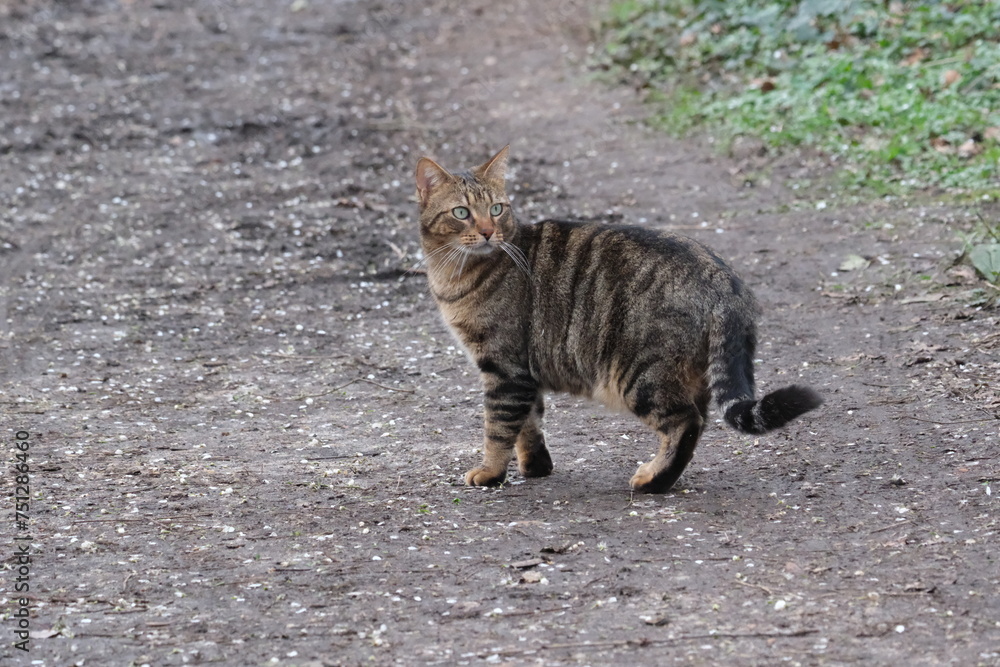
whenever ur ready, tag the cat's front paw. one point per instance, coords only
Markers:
(484, 477)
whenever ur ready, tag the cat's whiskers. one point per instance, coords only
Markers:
(517, 256)
(461, 265)
(423, 260)
(452, 254)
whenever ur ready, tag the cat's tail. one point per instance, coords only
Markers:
(733, 343)
(773, 411)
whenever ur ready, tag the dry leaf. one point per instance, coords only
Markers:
(914, 57)
(764, 85)
(925, 298)
(558, 549)
(689, 38)
(531, 577)
(969, 148)
(962, 275)
(658, 620)
(941, 145)
(950, 77)
(992, 133)
(464, 609)
(853, 263)
(918, 587)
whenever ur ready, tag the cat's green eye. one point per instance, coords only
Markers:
(496, 209)
(460, 212)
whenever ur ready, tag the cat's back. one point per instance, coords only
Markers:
(629, 260)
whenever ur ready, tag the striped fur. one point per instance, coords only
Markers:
(643, 321)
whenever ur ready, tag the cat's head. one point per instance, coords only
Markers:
(468, 211)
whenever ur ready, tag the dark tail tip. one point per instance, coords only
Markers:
(773, 411)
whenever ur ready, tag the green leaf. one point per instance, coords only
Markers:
(986, 258)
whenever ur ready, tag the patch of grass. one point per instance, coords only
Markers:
(903, 96)
(982, 250)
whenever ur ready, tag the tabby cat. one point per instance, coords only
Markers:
(641, 320)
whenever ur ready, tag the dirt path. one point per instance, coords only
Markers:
(247, 425)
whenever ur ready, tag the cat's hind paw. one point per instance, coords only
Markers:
(536, 464)
(649, 479)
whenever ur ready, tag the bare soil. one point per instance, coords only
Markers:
(248, 426)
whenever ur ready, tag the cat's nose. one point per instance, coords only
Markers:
(487, 232)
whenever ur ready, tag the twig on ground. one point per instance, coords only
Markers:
(338, 388)
(758, 586)
(282, 355)
(960, 421)
(895, 525)
(616, 643)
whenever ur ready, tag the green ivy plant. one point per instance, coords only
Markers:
(903, 96)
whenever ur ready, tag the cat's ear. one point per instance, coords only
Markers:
(494, 169)
(430, 176)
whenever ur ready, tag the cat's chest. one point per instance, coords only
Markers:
(487, 330)
(469, 325)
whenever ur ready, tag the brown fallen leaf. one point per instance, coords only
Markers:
(923, 298)
(918, 587)
(658, 620)
(914, 58)
(763, 84)
(950, 77)
(464, 609)
(962, 275)
(969, 148)
(531, 577)
(941, 145)
(921, 346)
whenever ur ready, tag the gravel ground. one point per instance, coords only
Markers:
(246, 426)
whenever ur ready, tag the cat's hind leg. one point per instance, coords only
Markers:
(533, 458)
(679, 426)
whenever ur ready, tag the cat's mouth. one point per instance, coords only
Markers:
(482, 247)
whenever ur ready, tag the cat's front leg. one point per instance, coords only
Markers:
(508, 400)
